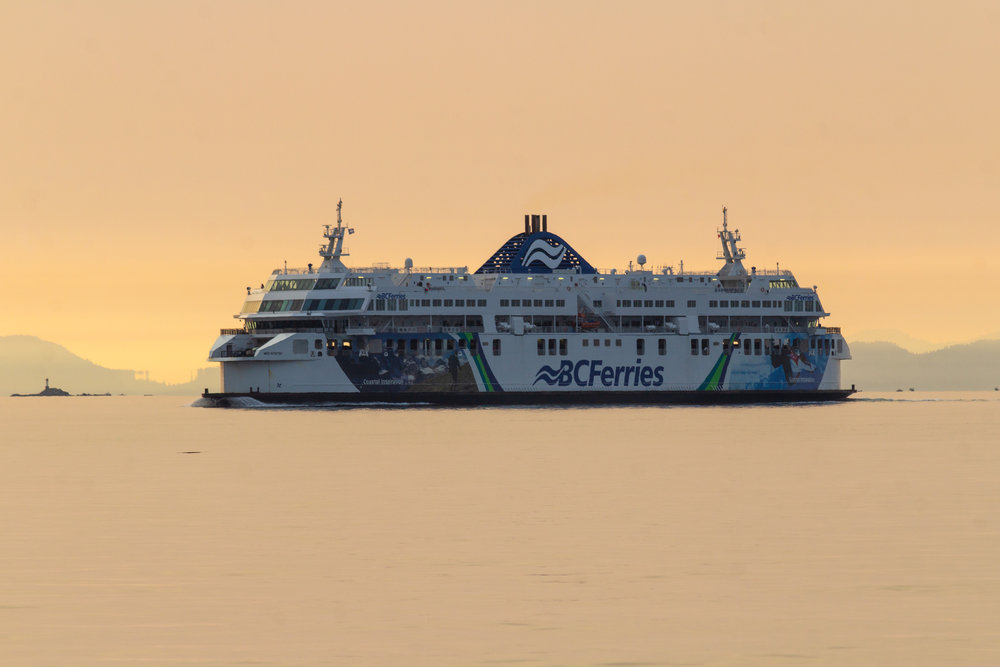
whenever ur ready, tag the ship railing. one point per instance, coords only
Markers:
(296, 270)
(772, 272)
(374, 268)
(657, 272)
(232, 332)
(449, 270)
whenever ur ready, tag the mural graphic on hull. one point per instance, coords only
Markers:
(787, 365)
(404, 364)
(429, 362)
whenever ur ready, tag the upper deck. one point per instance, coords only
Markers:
(534, 278)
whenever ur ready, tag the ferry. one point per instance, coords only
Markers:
(536, 323)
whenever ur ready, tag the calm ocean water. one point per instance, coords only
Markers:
(143, 531)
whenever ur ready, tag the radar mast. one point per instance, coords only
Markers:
(334, 248)
(732, 254)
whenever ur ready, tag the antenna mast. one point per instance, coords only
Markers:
(334, 248)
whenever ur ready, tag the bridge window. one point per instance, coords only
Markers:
(756, 304)
(694, 346)
(496, 347)
(756, 347)
(481, 303)
(552, 346)
(448, 303)
(647, 304)
(541, 347)
(788, 306)
(745, 304)
(538, 303)
(563, 347)
(549, 303)
(515, 303)
(291, 284)
(598, 304)
(692, 303)
(809, 306)
(640, 346)
(586, 342)
(661, 346)
(723, 304)
(560, 303)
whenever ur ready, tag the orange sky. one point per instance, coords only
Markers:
(157, 157)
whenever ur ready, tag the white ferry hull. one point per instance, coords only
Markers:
(475, 368)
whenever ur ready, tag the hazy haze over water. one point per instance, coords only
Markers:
(859, 533)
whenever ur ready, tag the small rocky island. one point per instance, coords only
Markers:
(48, 391)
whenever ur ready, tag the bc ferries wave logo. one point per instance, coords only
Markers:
(540, 251)
(587, 372)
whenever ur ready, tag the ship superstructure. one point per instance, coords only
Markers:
(534, 323)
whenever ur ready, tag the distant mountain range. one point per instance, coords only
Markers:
(25, 362)
(881, 366)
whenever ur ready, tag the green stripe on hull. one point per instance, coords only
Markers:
(478, 362)
(714, 380)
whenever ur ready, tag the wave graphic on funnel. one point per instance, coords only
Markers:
(540, 251)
